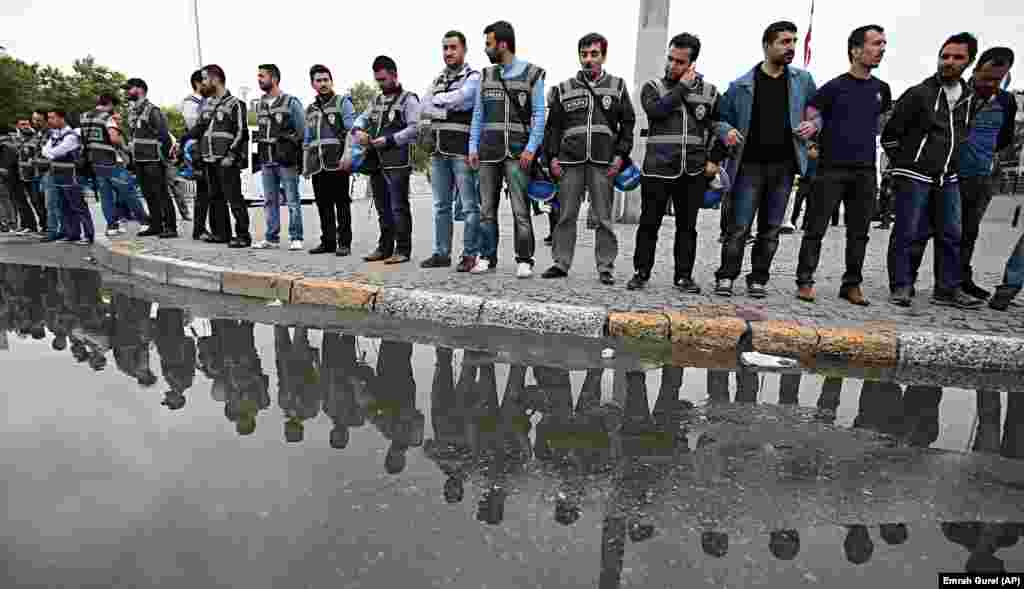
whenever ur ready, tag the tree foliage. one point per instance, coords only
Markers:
(24, 87)
(362, 94)
(175, 120)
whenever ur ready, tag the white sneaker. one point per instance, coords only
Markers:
(482, 265)
(787, 229)
(121, 231)
(524, 270)
(263, 245)
(295, 246)
(113, 232)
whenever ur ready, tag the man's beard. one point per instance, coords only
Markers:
(265, 87)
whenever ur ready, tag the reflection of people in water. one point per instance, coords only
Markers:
(131, 338)
(232, 347)
(748, 386)
(987, 438)
(921, 414)
(982, 540)
(784, 544)
(880, 408)
(893, 534)
(298, 380)
(858, 545)
(828, 400)
(345, 382)
(450, 415)
(714, 543)
(393, 409)
(177, 353)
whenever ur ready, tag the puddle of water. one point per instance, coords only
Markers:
(147, 446)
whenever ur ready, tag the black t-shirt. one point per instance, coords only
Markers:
(771, 135)
(850, 108)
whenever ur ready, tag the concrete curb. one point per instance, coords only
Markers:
(682, 335)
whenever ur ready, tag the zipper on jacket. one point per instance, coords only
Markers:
(590, 122)
(952, 141)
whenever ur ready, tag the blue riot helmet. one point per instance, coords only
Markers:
(628, 179)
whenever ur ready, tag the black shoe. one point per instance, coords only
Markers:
(975, 291)
(48, 239)
(1003, 297)
(168, 235)
(723, 287)
(343, 251)
(215, 239)
(554, 272)
(637, 282)
(322, 249)
(687, 285)
(376, 256)
(956, 299)
(902, 297)
(436, 261)
(239, 243)
(149, 232)
(201, 236)
(549, 240)
(756, 291)
(606, 278)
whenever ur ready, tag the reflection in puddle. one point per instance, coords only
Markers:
(735, 466)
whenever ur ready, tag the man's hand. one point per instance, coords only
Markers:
(227, 162)
(616, 167)
(379, 142)
(806, 130)
(556, 169)
(525, 160)
(362, 138)
(473, 160)
(689, 75)
(733, 138)
(711, 169)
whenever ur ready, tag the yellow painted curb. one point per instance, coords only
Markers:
(260, 285)
(645, 326)
(784, 337)
(720, 333)
(876, 348)
(335, 293)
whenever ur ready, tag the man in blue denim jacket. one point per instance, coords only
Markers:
(773, 150)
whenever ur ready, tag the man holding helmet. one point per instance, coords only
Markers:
(590, 135)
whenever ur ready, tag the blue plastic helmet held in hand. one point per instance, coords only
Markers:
(628, 179)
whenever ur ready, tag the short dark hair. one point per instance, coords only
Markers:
(383, 62)
(41, 110)
(593, 39)
(108, 99)
(963, 39)
(275, 72)
(319, 69)
(858, 37)
(997, 56)
(458, 35)
(502, 31)
(215, 71)
(687, 41)
(60, 112)
(196, 79)
(772, 32)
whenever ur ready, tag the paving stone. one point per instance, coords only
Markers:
(961, 350)
(645, 326)
(545, 318)
(784, 337)
(150, 267)
(705, 334)
(335, 293)
(194, 275)
(879, 348)
(456, 310)
(260, 285)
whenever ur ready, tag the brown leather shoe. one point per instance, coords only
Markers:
(376, 256)
(466, 264)
(855, 295)
(806, 294)
(397, 259)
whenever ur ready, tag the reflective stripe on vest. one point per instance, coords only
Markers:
(327, 144)
(222, 129)
(393, 108)
(451, 136)
(145, 144)
(681, 138)
(503, 135)
(586, 136)
(273, 120)
(95, 139)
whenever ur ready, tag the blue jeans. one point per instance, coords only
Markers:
(1014, 277)
(117, 190)
(761, 189)
(54, 208)
(77, 219)
(914, 204)
(275, 178)
(447, 176)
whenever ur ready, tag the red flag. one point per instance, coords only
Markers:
(807, 39)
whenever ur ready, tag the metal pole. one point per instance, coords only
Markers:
(199, 47)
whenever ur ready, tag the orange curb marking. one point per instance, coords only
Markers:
(335, 293)
(260, 285)
(643, 325)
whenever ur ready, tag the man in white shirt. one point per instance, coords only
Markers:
(63, 150)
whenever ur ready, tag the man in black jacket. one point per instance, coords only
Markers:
(922, 139)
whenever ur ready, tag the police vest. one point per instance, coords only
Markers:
(8, 154)
(503, 133)
(275, 137)
(222, 127)
(145, 145)
(28, 150)
(326, 127)
(590, 129)
(387, 116)
(64, 169)
(678, 144)
(451, 136)
(98, 148)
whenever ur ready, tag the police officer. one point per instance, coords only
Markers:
(328, 121)
(681, 155)
(590, 135)
(64, 150)
(32, 136)
(280, 119)
(223, 136)
(100, 154)
(389, 127)
(150, 143)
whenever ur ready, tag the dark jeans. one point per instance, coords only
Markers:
(334, 205)
(225, 191)
(760, 189)
(975, 196)
(687, 195)
(153, 180)
(919, 207)
(77, 218)
(803, 190)
(391, 198)
(20, 192)
(201, 208)
(856, 190)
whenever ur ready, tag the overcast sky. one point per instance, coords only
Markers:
(156, 40)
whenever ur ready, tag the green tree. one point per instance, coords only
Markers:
(25, 86)
(362, 94)
(17, 89)
(175, 120)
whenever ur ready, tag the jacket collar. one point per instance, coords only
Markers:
(747, 79)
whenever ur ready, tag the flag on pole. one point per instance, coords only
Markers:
(807, 39)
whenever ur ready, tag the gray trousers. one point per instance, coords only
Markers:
(594, 179)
